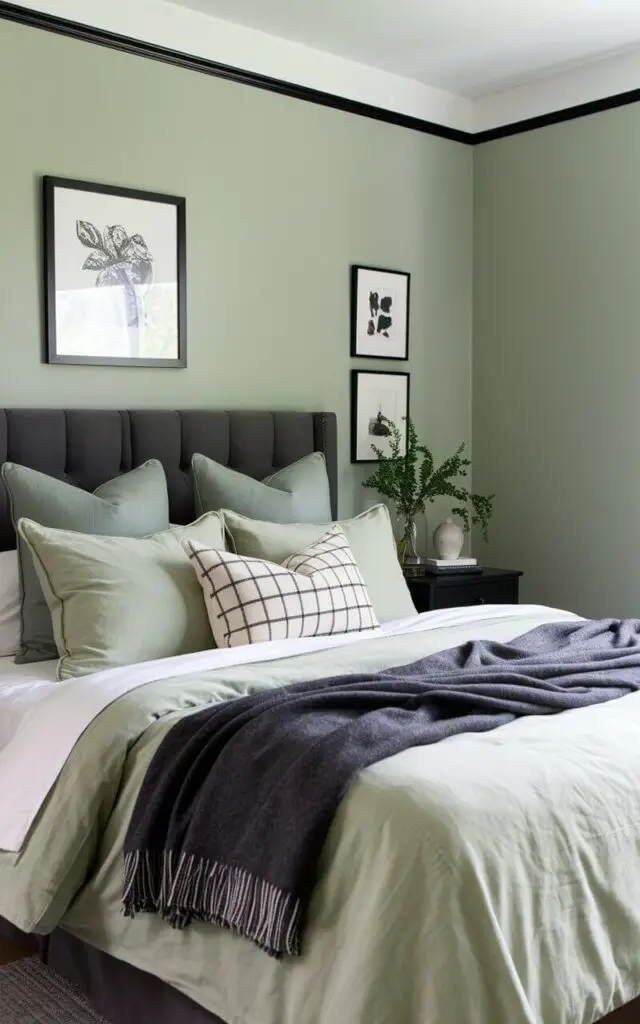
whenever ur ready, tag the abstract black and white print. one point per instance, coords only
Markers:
(115, 275)
(380, 313)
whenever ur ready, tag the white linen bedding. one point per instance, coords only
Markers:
(20, 686)
(39, 672)
(9, 604)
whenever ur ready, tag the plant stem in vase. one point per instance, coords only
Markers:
(408, 543)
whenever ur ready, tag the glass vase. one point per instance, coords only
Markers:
(408, 555)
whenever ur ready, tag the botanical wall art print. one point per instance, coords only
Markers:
(379, 313)
(115, 275)
(379, 401)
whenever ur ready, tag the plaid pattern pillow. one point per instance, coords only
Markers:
(315, 592)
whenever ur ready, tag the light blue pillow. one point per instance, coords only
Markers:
(135, 504)
(299, 493)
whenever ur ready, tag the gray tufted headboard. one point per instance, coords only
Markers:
(90, 446)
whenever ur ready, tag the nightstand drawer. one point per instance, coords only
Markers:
(491, 586)
(477, 592)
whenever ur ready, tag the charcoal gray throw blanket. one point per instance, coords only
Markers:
(238, 799)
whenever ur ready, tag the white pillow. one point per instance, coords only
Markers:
(9, 604)
(314, 593)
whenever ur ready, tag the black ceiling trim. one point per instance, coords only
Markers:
(52, 23)
(76, 30)
(558, 116)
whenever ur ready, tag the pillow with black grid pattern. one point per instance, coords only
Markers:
(316, 592)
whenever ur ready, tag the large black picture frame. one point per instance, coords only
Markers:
(129, 264)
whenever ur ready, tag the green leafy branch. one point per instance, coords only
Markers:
(409, 477)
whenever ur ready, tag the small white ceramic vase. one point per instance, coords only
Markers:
(448, 539)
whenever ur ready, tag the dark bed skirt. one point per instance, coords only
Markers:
(120, 993)
(126, 995)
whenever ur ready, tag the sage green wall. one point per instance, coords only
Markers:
(282, 196)
(556, 360)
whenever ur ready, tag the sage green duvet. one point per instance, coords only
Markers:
(488, 879)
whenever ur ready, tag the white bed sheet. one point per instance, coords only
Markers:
(12, 674)
(20, 687)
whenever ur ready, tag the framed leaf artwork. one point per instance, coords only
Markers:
(115, 275)
(380, 313)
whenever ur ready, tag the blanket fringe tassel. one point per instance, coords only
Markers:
(184, 888)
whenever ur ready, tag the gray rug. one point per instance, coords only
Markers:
(32, 994)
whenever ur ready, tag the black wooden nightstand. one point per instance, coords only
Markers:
(453, 590)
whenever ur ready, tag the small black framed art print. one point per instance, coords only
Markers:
(115, 275)
(379, 401)
(380, 313)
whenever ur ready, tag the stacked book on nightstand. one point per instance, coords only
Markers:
(451, 565)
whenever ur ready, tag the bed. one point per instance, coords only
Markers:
(426, 891)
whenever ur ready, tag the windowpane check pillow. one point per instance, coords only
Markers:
(315, 592)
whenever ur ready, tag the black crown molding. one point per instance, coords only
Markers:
(115, 41)
(51, 23)
(622, 99)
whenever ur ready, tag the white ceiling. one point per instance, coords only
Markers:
(469, 65)
(467, 47)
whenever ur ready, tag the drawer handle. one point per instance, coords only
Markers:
(480, 600)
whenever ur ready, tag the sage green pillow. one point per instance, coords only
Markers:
(370, 536)
(299, 493)
(115, 601)
(132, 505)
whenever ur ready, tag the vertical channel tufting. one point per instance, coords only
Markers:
(6, 530)
(94, 446)
(88, 447)
(157, 434)
(326, 440)
(38, 438)
(3, 436)
(293, 437)
(251, 443)
(206, 432)
(125, 460)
